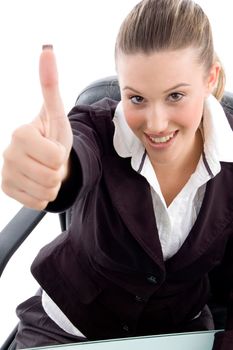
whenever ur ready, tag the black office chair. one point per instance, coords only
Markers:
(23, 223)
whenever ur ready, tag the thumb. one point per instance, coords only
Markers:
(54, 116)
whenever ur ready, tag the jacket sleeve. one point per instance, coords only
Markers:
(93, 130)
(84, 161)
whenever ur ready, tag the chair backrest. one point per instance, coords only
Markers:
(227, 101)
(109, 87)
(106, 87)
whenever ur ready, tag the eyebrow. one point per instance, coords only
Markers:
(130, 88)
(166, 91)
(176, 87)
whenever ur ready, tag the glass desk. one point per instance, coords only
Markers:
(181, 341)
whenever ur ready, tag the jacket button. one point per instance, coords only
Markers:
(139, 299)
(152, 279)
(125, 327)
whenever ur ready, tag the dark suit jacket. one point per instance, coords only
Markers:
(107, 272)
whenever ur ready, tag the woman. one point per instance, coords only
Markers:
(150, 183)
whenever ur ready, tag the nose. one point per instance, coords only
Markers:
(157, 119)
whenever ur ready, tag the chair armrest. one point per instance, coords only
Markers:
(9, 343)
(16, 231)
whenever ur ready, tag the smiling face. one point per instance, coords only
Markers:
(163, 96)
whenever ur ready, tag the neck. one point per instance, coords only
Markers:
(173, 177)
(186, 163)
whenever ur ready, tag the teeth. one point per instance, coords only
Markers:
(161, 139)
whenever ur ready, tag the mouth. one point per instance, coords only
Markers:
(163, 139)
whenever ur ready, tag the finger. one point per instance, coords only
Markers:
(27, 200)
(50, 89)
(36, 172)
(32, 188)
(44, 151)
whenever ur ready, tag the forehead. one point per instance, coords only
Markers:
(165, 67)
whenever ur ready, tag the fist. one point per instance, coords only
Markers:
(36, 160)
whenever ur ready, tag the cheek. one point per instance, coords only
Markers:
(191, 115)
(134, 119)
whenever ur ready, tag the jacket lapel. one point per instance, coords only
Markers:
(131, 196)
(214, 218)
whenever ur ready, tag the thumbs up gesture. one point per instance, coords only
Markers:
(36, 161)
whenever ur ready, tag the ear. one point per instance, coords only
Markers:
(212, 78)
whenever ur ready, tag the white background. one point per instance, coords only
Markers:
(83, 34)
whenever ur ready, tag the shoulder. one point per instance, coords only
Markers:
(103, 108)
(93, 123)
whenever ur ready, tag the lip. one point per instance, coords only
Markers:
(161, 145)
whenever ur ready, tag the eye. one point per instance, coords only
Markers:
(136, 100)
(175, 97)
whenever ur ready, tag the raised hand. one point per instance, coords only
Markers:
(36, 161)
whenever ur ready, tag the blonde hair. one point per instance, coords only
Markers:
(155, 25)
